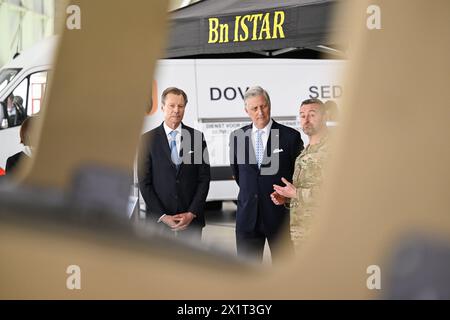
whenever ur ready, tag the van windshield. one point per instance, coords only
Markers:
(6, 76)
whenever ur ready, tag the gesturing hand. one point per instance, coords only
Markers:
(288, 191)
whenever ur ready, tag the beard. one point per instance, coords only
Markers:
(309, 130)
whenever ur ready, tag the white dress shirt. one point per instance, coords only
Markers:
(177, 138)
(169, 140)
(264, 135)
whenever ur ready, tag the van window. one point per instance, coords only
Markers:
(13, 110)
(6, 76)
(21, 92)
(38, 84)
(26, 99)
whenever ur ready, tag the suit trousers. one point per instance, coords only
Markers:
(250, 245)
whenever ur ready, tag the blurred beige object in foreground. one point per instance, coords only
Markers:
(389, 178)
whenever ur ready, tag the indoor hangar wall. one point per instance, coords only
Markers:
(23, 23)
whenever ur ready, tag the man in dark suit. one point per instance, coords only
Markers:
(260, 155)
(174, 171)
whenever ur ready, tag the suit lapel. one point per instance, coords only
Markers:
(268, 150)
(185, 147)
(250, 149)
(164, 144)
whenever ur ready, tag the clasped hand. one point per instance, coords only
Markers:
(178, 222)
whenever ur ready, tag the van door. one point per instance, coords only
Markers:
(24, 100)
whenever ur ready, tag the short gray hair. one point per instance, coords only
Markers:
(316, 101)
(176, 91)
(256, 92)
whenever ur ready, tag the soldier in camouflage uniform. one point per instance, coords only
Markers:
(301, 195)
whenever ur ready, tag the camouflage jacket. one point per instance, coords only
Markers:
(307, 179)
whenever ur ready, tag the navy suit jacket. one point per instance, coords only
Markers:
(255, 185)
(167, 190)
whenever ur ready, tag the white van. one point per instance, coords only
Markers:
(215, 89)
(25, 77)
